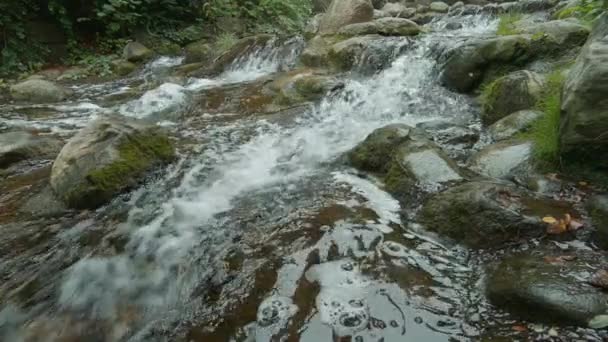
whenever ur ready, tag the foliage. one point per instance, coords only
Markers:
(506, 23)
(225, 41)
(488, 95)
(545, 131)
(586, 10)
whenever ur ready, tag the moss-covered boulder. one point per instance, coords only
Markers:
(539, 287)
(18, 146)
(383, 26)
(566, 33)
(513, 124)
(303, 85)
(407, 160)
(584, 119)
(200, 51)
(597, 206)
(503, 159)
(483, 214)
(136, 52)
(38, 91)
(121, 67)
(107, 157)
(511, 93)
(345, 12)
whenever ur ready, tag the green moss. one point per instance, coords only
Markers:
(586, 11)
(506, 24)
(489, 92)
(224, 42)
(138, 153)
(545, 131)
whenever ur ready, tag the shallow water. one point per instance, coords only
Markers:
(259, 232)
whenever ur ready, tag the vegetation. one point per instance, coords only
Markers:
(99, 27)
(506, 23)
(545, 131)
(586, 10)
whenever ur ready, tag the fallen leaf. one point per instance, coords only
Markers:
(549, 219)
(558, 227)
(520, 328)
(560, 259)
(600, 279)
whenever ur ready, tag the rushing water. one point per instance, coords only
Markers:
(262, 231)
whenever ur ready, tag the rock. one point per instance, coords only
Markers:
(316, 52)
(398, 10)
(457, 5)
(303, 85)
(368, 53)
(107, 157)
(482, 214)
(121, 67)
(312, 27)
(516, 91)
(18, 146)
(375, 153)
(564, 33)
(407, 157)
(136, 52)
(584, 119)
(38, 91)
(453, 26)
(597, 206)
(43, 204)
(345, 12)
(200, 51)
(502, 159)
(439, 7)
(513, 124)
(423, 18)
(382, 26)
(539, 287)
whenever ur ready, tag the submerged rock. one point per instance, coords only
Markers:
(382, 26)
(513, 124)
(597, 206)
(482, 214)
(502, 159)
(516, 91)
(136, 52)
(38, 91)
(345, 12)
(584, 119)
(539, 287)
(105, 158)
(18, 146)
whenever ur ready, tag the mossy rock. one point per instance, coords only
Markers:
(200, 51)
(597, 206)
(375, 153)
(107, 157)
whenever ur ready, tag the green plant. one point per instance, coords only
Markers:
(506, 23)
(545, 131)
(225, 41)
(586, 10)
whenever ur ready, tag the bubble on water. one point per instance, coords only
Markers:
(275, 311)
(394, 249)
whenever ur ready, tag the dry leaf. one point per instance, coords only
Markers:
(560, 259)
(600, 279)
(558, 227)
(520, 328)
(549, 219)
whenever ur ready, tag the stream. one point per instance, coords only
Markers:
(260, 231)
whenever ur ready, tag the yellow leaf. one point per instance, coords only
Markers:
(549, 219)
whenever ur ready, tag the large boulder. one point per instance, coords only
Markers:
(368, 53)
(516, 91)
(543, 286)
(597, 206)
(136, 52)
(382, 26)
(584, 119)
(18, 146)
(483, 214)
(398, 10)
(38, 91)
(564, 33)
(502, 159)
(345, 12)
(439, 7)
(513, 124)
(105, 158)
(407, 158)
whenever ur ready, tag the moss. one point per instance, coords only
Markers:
(545, 131)
(138, 153)
(506, 24)
(397, 181)
(489, 93)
